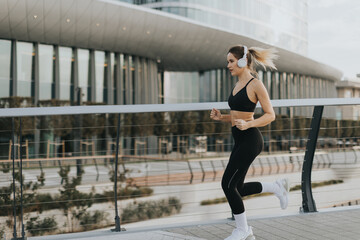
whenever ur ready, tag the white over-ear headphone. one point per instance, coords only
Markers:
(242, 61)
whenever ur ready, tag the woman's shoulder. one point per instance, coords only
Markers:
(257, 85)
(256, 82)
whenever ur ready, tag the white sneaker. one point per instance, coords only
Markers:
(240, 235)
(284, 186)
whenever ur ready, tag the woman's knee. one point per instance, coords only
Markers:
(224, 184)
(228, 187)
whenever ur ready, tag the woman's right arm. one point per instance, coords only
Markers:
(216, 115)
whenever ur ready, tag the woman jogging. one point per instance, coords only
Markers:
(248, 139)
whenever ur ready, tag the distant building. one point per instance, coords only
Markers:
(348, 89)
(159, 52)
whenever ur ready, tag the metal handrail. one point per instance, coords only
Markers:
(179, 107)
(317, 103)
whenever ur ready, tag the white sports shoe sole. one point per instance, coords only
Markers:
(251, 236)
(234, 236)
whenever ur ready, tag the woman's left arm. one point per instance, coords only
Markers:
(269, 114)
(263, 97)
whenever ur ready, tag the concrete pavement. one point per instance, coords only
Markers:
(331, 224)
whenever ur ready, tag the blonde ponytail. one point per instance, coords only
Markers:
(263, 57)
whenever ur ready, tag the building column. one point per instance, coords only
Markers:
(75, 79)
(13, 71)
(149, 79)
(224, 84)
(218, 85)
(36, 69)
(161, 94)
(109, 99)
(56, 74)
(137, 81)
(92, 87)
(127, 80)
(119, 79)
(144, 81)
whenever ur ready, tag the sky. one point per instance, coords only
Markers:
(334, 34)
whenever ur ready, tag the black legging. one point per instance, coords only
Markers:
(248, 144)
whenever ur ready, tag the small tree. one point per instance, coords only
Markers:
(73, 202)
(29, 198)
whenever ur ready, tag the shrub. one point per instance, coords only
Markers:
(213, 201)
(2, 232)
(40, 227)
(45, 202)
(319, 184)
(150, 209)
(128, 192)
(89, 222)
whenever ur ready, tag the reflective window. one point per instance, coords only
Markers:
(65, 57)
(99, 75)
(46, 53)
(24, 52)
(5, 60)
(83, 67)
(183, 87)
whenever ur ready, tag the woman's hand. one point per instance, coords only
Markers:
(215, 114)
(242, 124)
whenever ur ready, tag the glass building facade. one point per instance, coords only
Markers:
(216, 85)
(282, 23)
(5, 68)
(43, 72)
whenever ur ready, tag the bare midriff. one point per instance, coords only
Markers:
(246, 116)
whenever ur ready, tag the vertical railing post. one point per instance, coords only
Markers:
(77, 142)
(13, 172)
(21, 182)
(291, 116)
(117, 218)
(308, 203)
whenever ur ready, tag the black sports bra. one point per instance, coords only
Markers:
(241, 101)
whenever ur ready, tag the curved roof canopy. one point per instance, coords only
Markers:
(178, 43)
